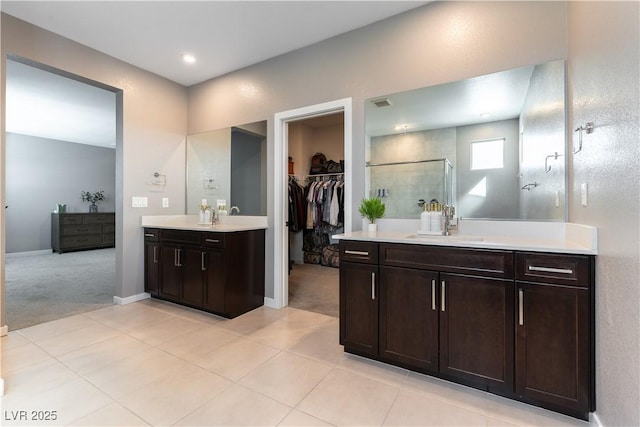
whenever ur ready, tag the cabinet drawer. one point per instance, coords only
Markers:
(573, 270)
(70, 219)
(109, 228)
(80, 241)
(362, 252)
(181, 236)
(99, 219)
(482, 262)
(71, 230)
(213, 240)
(151, 234)
(108, 238)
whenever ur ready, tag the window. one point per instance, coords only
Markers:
(487, 154)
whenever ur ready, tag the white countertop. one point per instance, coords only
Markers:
(509, 235)
(226, 224)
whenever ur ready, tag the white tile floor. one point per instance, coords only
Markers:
(154, 363)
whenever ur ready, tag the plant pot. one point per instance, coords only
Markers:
(93, 208)
(372, 227)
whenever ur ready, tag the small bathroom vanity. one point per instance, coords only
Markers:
(219, 269)
(510, 315)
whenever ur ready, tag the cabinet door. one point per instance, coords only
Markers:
(170, 272)
(193, 273)
(552, 346)
(215, 281)
(476, 330)
(151, 268)
(409, 317)
(359, 307)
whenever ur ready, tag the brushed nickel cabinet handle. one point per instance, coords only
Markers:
(175, 257)
(373, 286)
(149, 235)
(212, 240)
(442, 297)
(204, 267)
(551, 270)
(361, 253)
(155, 254)
(433, 294)
(520, 307)
(179, 257)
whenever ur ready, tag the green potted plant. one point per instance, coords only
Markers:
(372, 209)
(92, 198)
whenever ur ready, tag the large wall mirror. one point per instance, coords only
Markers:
(493, 146)
(228, 164)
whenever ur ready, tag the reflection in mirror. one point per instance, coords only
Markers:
(503, 135)
(228, 165)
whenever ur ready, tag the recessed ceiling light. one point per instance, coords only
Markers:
(402, 127)
(188, 58)
(485, 115)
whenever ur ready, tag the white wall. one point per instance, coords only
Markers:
(604, 85)
(440, 42)
(153, 134)
(40, 173)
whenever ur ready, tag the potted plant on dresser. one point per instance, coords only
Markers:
(92, 198)
(372, 209)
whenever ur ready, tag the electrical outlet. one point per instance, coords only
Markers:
(165, 202)
(584, 191)
(139, 202)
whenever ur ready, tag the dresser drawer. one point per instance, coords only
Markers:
(74, 230)
(355, 251)
(480, 262)
(573, 270)
(80, 241)
(99, 219)
(70, 219)
(213, 240)
(109, 228)
(108, 239)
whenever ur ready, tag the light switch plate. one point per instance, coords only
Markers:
(165, 202)
(139, 202)
(584, 192)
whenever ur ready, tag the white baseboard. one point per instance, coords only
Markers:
(28, 253)
(595, 420)
(4, 330)
(132, 298)
(270, 302)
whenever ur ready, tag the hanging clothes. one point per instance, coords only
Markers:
(297, 206)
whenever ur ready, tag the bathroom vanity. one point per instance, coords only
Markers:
(512, 317)
(218, 269)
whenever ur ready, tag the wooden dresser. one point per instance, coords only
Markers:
(80, 231)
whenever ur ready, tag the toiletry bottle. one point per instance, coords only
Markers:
(436, 217)
(425, 219)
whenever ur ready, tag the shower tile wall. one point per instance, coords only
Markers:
(408, 183)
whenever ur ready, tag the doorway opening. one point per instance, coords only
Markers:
(285, 124)
(62, 133)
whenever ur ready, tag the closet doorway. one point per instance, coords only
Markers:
(294, 136)
(316, 211)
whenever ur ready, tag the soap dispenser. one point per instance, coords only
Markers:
(425, 219)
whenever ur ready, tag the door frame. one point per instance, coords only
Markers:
(281, 195)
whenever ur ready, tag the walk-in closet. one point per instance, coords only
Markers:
(316, 211)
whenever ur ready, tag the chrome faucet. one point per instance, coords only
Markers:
(234, 209)
(214, 215)
(448, 212)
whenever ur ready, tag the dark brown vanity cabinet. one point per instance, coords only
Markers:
(222, 273)
(554, 331)
(513, 323)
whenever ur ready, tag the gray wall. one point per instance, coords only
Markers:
(41, 173)
(502, 199)
(604, 83)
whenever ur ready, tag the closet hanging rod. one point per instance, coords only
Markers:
(324, 174)
(408, 162)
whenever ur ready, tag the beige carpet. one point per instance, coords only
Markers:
(314, 287)
(45, 287)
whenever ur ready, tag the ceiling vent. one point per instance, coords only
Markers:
(384, 102)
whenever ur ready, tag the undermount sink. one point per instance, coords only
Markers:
(441, 238)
